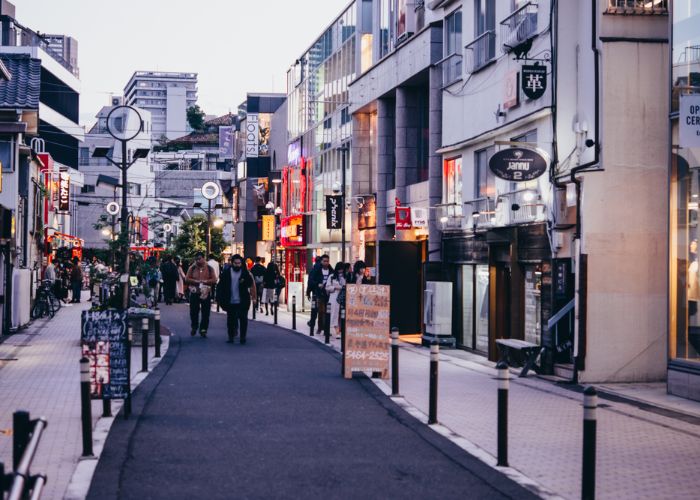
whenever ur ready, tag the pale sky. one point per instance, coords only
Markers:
(236, 46)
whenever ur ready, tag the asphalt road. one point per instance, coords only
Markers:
(274, 419)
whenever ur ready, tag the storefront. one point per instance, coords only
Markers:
(684, 270)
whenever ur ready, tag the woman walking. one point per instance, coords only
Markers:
(180, 284)
(270, 282)
(334, 286)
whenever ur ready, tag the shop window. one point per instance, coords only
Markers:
(485, 180)
(452, 188)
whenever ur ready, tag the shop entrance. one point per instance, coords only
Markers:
(475, 306)
(400, 265)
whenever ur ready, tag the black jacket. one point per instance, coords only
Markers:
(223, 289)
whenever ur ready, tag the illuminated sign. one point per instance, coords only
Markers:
(268, 228)
(64, 192)
(403, 218)
(292, 231)
(251, 135)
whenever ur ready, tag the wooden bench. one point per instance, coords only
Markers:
(529, 350)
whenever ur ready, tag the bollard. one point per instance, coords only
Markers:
(342, 340)
(432, 411)
(314, 307)
(274, 305)
(20, 436)
(294, 312)
(106, 407)
(503, 376)
(144, 345)
(394, 361)
(255, 308)
(127, 403)
(326, 325)
(590, 403)
(86, 406)
(158, 340)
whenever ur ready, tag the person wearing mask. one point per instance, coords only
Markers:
(76, 280)
(258, 272)
(270, 280)
(234, 294)
(200, 279)
(334, 286)
(317, 285)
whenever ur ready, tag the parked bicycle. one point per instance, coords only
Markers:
(46, 303)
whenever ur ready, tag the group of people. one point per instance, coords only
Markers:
(65, 275)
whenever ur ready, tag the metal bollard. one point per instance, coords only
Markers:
(106, 407)
(127, 403)
(590, 403)
(432, 411)
(294, 312)
(342, 340)
(327, 326)
(274, 305)
(394, 361)
(144, 345)
(86, 406)
(158, 340)
(503, 377)
(314, 307)
(255, 308)
(20, 436)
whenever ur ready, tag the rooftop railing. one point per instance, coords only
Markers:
(637, 7)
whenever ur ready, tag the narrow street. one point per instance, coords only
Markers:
(274, 419)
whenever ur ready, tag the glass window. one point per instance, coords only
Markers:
(484, 16)
(485, 180)
(84, 158)
(452, 186)
(453, 33)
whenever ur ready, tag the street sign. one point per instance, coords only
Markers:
(112, 208)
(534, 80)
(419, 217)
(104, 342)
(367, 330)
(334, 211)
(519, 164)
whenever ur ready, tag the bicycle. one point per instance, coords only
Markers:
(45, 303)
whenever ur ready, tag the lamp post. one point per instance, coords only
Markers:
(343, 151)
(210, 191)
(124, 123)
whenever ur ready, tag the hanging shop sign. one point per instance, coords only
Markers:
(511, 93)
(251, 135)
(268, 228)
(519, 164)
(689, 121)
(63, 192)
(403, 218)
(534, 80)
(292, 231)
(226, 142)
(419, 217)
(366, 212)
(104, 344)
(334, 212)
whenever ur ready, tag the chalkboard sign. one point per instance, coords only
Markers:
(104, 341)
(367, 331)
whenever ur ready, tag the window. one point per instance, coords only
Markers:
(452, 187)
(452, 64)
(84, 158)
(482, 49)
(134, 189)
(87, 188)
(484, 179)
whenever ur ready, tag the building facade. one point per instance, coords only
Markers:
(66, 48)
(167, 96)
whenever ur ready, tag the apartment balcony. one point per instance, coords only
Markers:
(451, 216)
(481, 51)
(451, 69)
(637, 7)
(519, 207)
(480, 213)
(519, 28)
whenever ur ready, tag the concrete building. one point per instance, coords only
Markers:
(568, 258)
(102, 184)
(66, 48)
(167, 96)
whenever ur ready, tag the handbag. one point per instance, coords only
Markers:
(341, 296)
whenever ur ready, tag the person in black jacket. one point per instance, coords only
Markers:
(258, 272)
(169, 272)
(234, 294)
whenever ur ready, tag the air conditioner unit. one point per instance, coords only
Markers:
(117, 100)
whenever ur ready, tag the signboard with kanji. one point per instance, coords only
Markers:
(367, 330)
(104, 341)
(268, 228)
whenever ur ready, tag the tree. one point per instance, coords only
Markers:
(193, 238)
(195, 117)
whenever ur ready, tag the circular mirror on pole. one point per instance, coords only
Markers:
(211, 190)
(112, 208)
(124, 123)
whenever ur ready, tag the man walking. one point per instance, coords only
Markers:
(76, 280)
(234, 293)
(168, 271)
(258, 272)
(317, 287)
(200, 278)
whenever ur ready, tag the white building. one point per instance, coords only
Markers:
(166, 96)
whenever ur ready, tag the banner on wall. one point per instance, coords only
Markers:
(64, 192)
(226, 143)
(334, 212)
(689, 121)
(251, 136)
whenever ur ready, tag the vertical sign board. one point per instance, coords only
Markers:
(64, 192)
(334, 218)
(689, 121)
(104, 342)
(367, 330)
(226, 143)
(403, 218)
(268, 228)
(251, 135)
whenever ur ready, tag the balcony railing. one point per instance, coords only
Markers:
(481, 51)
(519, 27)
(636, 7)
(518, 207)
(480, 213)
(451, 216)
(451, 69)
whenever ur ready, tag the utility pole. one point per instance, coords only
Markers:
(343, 152)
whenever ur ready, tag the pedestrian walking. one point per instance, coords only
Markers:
(270, 283)
(76, 280)
(336, 296)
(211, 260)
(317, 286)
(258, 272)
(235, 292)
(200, 279)
(170, 274)
(180, 285)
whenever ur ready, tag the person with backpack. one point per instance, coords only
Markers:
(200, 279)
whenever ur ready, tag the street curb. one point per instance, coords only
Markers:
(443, 431)
(81, 480)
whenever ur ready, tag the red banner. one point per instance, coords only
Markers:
(403, 218)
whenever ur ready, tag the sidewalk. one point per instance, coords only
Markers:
(642, 452)
(43, 378)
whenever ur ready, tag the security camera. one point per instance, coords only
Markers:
(590, 143)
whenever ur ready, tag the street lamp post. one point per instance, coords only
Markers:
(124, 123)
(210, 191)
(343, 152)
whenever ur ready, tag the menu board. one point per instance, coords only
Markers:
(367, 330)
(104, 341)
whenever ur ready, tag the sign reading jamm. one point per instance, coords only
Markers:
(518, 164)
